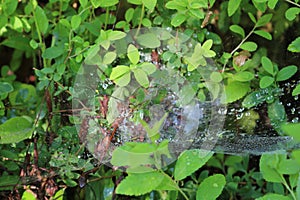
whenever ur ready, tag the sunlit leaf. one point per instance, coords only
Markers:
(266, 81)
(286, 73)
(42, 20)
(292, 130)
(268, 167)
(295, 45)
(292, 13)
(140, 183)
(272, 4)
(251, 16)
(133, 54)
(141, 77)
(150, 4)
(267, 65)
(263, 20)
(109, 57)
(263, 34)
(178, 19)
(296, 91)
(149, 68)
(237, 29)
(189, 161)
(249, 46)
(75, 21)
(211, 187)
(15, 130)
(233, 5)
(271, 196)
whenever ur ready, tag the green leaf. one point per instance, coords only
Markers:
(296, 91)
(216, 77)
(237, 29)
(235, 90)
(109, 57)
(5, 88)
(178, 19)
(267, 65)
(272, 4)
(286, 73)
(15, 130)
(75, 21)
(115, 35)
(17, 24)
(104, 3)
(121, 75)
(141, 77)
(268, 167)
(33, 44)
(249, 46)
(133, 54)
(207, 45)
(28, 195)
(233, 5)
(292, 130)
(140, 183)
(288, 166)
(266, 81)
(129, 14)
(150, 4)
(211, 187)
(149, 40)
(243, 76)
(190, 161)
(149, 68)
(3, 21)
(263, 20)
(295, 45)
(272, 196)
(263, 34)
(8, 182)
(41, 19)
(186, 94)
(254, 98)
(277, 115)
(136, 2)
(292, 13)
(53, 52)
(251, 16)
(10, 6)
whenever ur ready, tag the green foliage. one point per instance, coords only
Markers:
(44, 45)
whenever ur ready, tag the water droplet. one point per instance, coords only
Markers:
(295, 120)
(288, 104)
(296, 97)
(293, 110)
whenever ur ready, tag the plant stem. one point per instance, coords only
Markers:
(238, 46)
(287, 187)
(291, 2)
(141, 19)
(177, 188)
(106, 18)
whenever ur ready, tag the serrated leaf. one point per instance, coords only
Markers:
(150, 4)
(263, 20)
(140, 183)
(211, 187)
(189, 161)
(263, 34)
(141, 77)
(286, 73)
(42, 20)
(75, 21)
(292, 13)
(251, 16)
(266, 81)
(249, 46)
(237, 29)
(53, 52)
(268, 167)
(235, 90)
(243, 76)
(267, 65)
(295, 45)
(178, 19)
(296, 91)
(149, 40)
(233, 5)
(15, 130)
(133, 54)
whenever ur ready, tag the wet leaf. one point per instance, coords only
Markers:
(190, 161)
(211, 187)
